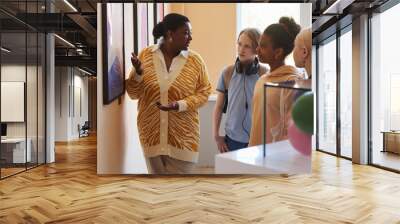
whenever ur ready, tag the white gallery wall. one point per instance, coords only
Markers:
(16, 73)
(71, 102)
(19, 78)
(80, 105)
(118, 146)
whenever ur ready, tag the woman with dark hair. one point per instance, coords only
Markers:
(276, 43)
(171, 83)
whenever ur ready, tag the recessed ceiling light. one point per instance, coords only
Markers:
(337, 7)
(84, 71)
(64, 40)
(5, 50)
(70, 5)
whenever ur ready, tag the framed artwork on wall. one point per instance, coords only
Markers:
(113, 51)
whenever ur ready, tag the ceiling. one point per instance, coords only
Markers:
(332, 15)
(76, 21)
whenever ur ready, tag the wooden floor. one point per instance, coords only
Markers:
(5, 172)
(387, 159)
(8, 171)
(69, 191)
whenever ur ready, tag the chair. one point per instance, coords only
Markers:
(84, 130)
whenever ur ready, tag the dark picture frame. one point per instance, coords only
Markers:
(113, 51)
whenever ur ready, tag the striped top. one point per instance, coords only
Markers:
(278, 108)
(173, 133)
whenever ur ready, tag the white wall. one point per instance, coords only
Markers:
(14, 73)
(71, 92)
(17, 73)
(33, 127)
(50, 95)
(61, 104)
(118, 147)
(79, 117)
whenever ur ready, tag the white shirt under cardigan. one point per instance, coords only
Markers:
(165, 77)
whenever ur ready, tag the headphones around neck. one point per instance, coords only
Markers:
(250, 69)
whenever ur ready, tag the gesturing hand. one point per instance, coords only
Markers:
(171, 106)
(137, 64)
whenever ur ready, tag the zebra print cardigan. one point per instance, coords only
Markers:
(172, 133)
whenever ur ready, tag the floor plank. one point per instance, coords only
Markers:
(69, 191)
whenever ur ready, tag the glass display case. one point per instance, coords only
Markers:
(285, 150)
(288, 116)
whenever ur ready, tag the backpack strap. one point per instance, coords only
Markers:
(228, 76)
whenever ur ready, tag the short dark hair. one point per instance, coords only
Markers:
(171, 22)
(283, 34)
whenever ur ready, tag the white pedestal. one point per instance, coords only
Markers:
(280, 158)
(208, 148)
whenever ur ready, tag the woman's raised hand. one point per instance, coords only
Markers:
(137, 64)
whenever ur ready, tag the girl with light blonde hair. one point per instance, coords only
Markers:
(302, 50)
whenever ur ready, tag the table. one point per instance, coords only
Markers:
(280, 158)
(391, 141)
